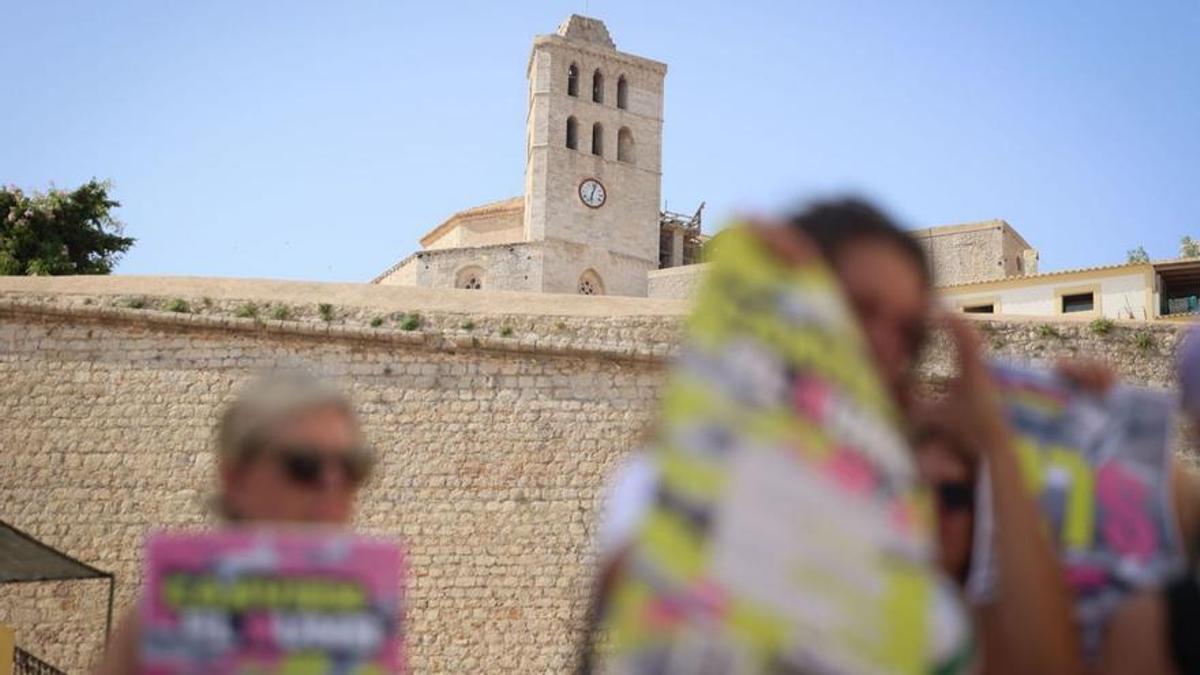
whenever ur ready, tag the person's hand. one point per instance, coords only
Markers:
(973, 400)
(1091, 375)
(783, 241)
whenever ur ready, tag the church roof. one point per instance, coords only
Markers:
(510, 205)
(586, 29)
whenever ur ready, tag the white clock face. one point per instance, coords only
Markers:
(591, 193)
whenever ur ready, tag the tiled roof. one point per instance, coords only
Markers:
(1046, 275)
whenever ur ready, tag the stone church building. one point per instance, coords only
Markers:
(589, 221)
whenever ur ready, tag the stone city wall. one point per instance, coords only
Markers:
(498, 417)
(679, 283)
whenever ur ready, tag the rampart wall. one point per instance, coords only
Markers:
(498, 417)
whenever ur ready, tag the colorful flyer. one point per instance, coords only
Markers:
(788, 534)
(1099, 467)
(271, 601)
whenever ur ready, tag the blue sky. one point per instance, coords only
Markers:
(318, 140)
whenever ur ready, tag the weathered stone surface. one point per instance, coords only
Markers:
(496, 426)
(492, 459)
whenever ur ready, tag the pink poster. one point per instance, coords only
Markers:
(271, 601)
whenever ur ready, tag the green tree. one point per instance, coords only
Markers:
(58, 232)
(1137, 255)
(1189, 248)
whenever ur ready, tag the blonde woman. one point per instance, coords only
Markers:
(289, 451)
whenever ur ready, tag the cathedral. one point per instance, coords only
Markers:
(589, 221)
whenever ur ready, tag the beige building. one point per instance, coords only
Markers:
(589, 221)
(1141, 291)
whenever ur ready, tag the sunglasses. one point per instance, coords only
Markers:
(307, 466)
(955, 495)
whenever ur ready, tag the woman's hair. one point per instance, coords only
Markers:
(249, 421)
(833, 225)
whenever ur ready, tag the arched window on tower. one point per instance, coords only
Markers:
(470, 277)
(573, 80)
(597, 139)
(598, 86)
(572, 133)
(625, 145)
(622, 93)
(590, 284)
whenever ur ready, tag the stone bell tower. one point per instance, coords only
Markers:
(593, 173)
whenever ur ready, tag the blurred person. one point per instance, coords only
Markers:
(290, 451)
(1028, 627)
(1151, 632)
(948, 468)
(887, 282)
(1158, 631)
(888, 285)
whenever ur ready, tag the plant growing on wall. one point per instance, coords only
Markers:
(178, 305)
(376, 321)
(325, 311)
(281, 313)
(410, 321)
(135, 303)
(60, 232)
(506, 331)
(1102, 326)
(1143, 340)
(1045, 330)
(468, 325)
(248, 310)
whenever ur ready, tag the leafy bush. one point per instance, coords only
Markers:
(325, 311)
(135, 303)
(178, 305)
(59, 231)
(410, 321)
(376, 321)
(281, 313)
(506, 331)
(1102, 326)
(246, 311)
(468, 325)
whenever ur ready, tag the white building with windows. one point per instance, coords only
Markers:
(589, 220)
(1140, 291)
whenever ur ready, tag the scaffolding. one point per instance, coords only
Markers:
(680, 241)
